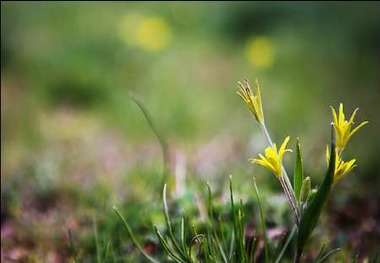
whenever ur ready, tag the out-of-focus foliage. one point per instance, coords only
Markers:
(74, 143)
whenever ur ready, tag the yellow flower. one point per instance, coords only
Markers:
(273, 158)
(343, 127)
(342, 168)
(150, 33)
(260, 52)
(153, 33)
(252, 100)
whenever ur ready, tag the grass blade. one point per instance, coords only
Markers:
(232, 247)
(183, 244)
(170, 228)
(328, 254)
(166, 246)
(252, 250)
(321, 251)
(160, 138)
(107, 250)
(287, 242)
(262, 220)
(210, 213)
(132, 236)
(239, 232)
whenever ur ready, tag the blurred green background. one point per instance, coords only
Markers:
(74, 143)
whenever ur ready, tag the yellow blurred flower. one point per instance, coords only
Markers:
(252, 100)
(260, 52)
(342, 168)
(153, 33)
(149, 33)
(273, 158)
(343, 127)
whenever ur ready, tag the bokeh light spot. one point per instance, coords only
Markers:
(260, 52)
(150, 33)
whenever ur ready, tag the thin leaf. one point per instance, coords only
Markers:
(166, 247)
(196, 238)
(252, 250)
(298, 172)
(232, 247)
(131, 235)
(328, 254)
(160, 138)
(262, 220)
(210, 212)
(239, 235)
(183, 234)
(107, 250)
(287, 242)
(313, 210)
(169, 226)
(321, 251)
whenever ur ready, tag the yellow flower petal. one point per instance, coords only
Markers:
(283, 147)
(342, 168)
(343, 128)
(353, 115)
(357, 128)
(341, 114)
(252, 100)
(272, 159)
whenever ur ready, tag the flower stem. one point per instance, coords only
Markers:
(284, 180)
(266, 133)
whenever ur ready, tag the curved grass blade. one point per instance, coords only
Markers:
(166, 247)
(321, 251)
(163, 144)
(170, 228)
(287, 242)
(327, 255)
(132, 236)
(197, 238)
